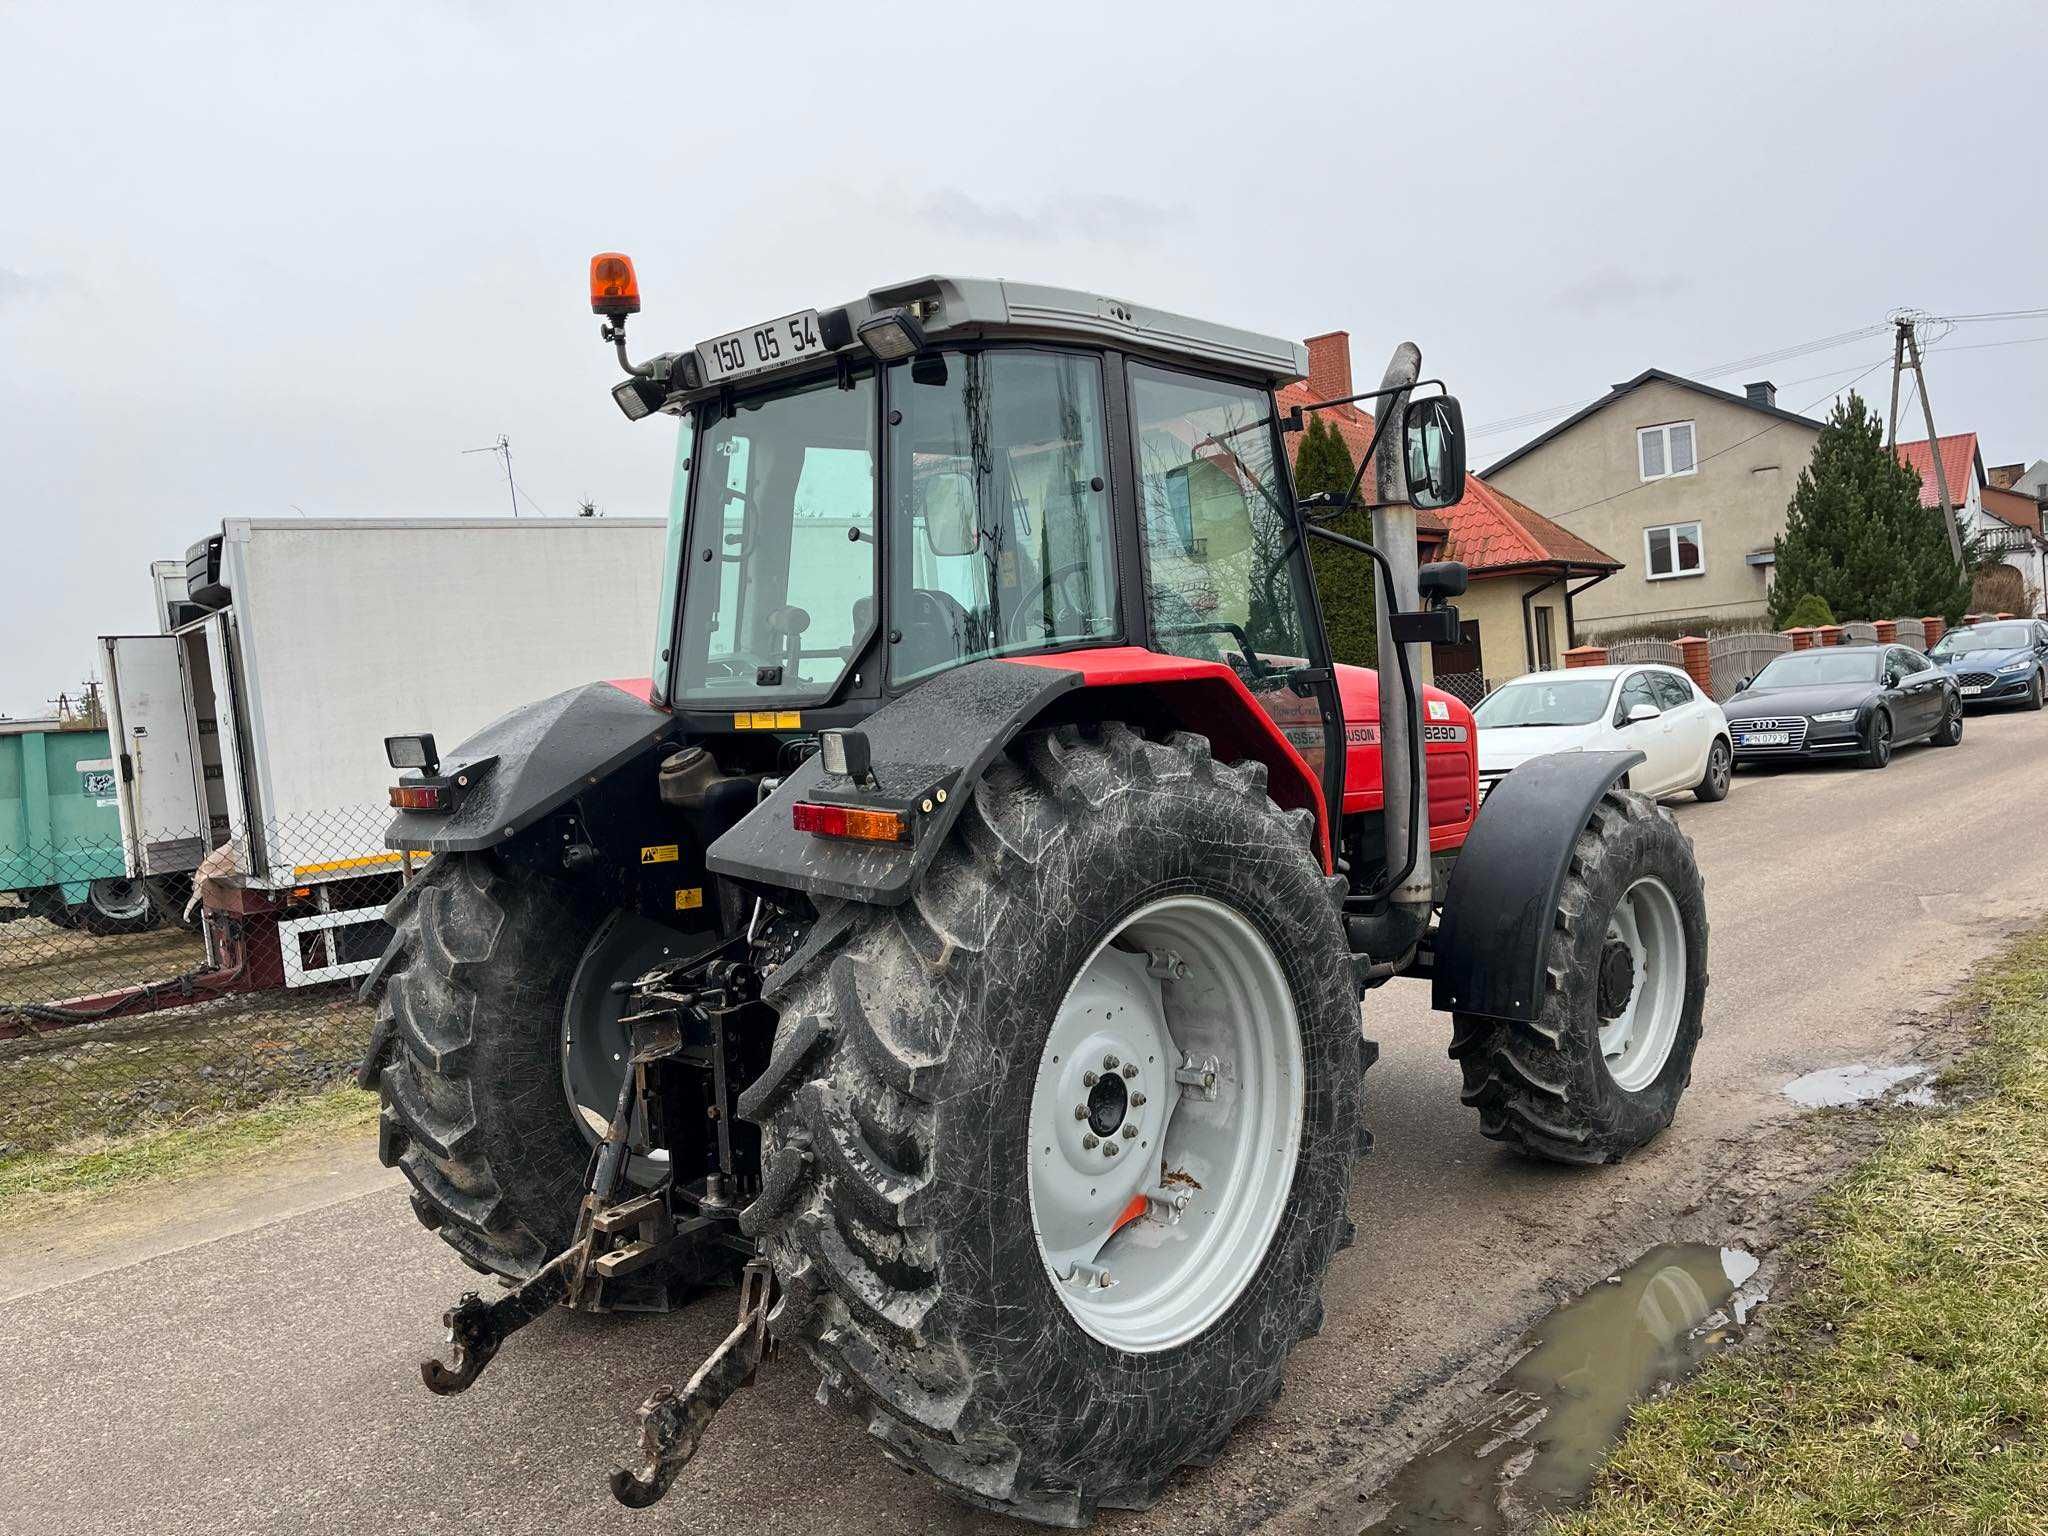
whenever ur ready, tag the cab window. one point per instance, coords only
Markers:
(1000, 538)
(1220, 584)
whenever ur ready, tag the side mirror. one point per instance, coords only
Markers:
(1743, 686)
(1638, 713)
(950, 523)
(1433, 437)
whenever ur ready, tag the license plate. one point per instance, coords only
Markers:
(1764, 738)
(1971, 689)
(774, 345)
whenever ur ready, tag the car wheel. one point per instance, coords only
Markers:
(2035, 693)
(1720, 770)
(1877, 741)
(1950, 732)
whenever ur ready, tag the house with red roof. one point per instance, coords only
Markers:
(2007, 523)
(1526, 571)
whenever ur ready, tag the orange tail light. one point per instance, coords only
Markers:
(614, 288)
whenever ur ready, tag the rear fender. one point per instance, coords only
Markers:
(929, 747)
(1504, 889)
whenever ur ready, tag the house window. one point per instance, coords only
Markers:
(1673, 550)
(1664, 451)
(1546, 644)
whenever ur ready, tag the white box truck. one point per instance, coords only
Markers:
(291, 648)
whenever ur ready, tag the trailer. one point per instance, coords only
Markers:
(60, 835)
(248, 732)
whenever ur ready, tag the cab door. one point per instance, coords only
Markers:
(1224, 572)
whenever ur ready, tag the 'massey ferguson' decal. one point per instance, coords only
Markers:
(1303, 740)
(1369, 735)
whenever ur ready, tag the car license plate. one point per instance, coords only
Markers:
(774, 345)
(1764, 738)
(1971, 689)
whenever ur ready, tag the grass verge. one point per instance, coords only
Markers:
(1903, 1384)
(50, 1182)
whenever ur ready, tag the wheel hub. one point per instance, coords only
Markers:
(1617, 978)
(1107, 1102)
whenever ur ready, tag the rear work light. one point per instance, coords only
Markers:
(422, 797)
(850, 822)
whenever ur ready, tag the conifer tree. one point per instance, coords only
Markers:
(1345, 580)
(1856, 535)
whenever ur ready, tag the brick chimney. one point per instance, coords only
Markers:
(1329, 365)
(1763, 392)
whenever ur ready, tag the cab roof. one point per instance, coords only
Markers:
(953, 309)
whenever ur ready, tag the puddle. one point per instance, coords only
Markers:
(1545, 1427)
(1857, 1083)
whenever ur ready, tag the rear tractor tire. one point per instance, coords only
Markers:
(1600, 1071)
(1058, 1153)
(496, 998)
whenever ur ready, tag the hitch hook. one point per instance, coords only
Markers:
(672, 1423)
(476, 1328)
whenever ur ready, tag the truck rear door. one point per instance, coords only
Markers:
(156, 777)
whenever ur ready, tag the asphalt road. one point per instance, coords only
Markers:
(245, 1359)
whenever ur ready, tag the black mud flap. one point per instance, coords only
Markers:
(544, 753)
(928, 749)
(1504, 888)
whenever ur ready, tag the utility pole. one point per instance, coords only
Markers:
(1907, 349)
(503, 448)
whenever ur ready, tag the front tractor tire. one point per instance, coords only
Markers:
(495, 973)
(1600, 1070)
(1058, 1153)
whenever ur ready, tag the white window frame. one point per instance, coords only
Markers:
(1662, 431)
(1699, 542)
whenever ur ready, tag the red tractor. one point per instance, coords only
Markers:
(961, 935)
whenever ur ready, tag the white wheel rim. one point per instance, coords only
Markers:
(1148, 1246)
(1637, 1041)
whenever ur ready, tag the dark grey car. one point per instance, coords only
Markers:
(1844, 701)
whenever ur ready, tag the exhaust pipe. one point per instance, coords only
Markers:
(1405, 817)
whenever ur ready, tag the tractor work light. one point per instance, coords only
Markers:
(850, 822)
(413, 752)
(847, 754)
(614, 288)
(892, 335)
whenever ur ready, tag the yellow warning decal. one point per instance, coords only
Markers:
(667, 853)
(768, 720)
(689, 897)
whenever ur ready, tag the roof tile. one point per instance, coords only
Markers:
(1958, 459)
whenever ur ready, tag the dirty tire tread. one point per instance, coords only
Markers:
(473, 1113)
(1542, 1087)
(929, 1316)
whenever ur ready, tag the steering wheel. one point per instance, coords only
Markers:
(1063, 607)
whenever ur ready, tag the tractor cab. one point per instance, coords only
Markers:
(983, 470)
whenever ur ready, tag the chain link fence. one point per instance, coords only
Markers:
(1470, 687)
(95, 928)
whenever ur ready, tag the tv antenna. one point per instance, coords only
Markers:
(503, 448)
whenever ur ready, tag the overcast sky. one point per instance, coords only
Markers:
(300, 257)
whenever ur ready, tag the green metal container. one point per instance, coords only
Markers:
(59, 830)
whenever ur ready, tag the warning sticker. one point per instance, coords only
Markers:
(690, 897)
(666, 853)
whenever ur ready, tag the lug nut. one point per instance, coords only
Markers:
(1130, 1132)
(1089, 1143)
(1137, 1101)
(1110, 1149)
(1080, 1111)
(1130, 1069)
(1109, 1063)
(1088, 1079)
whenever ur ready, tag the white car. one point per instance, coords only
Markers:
(1654, 710)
